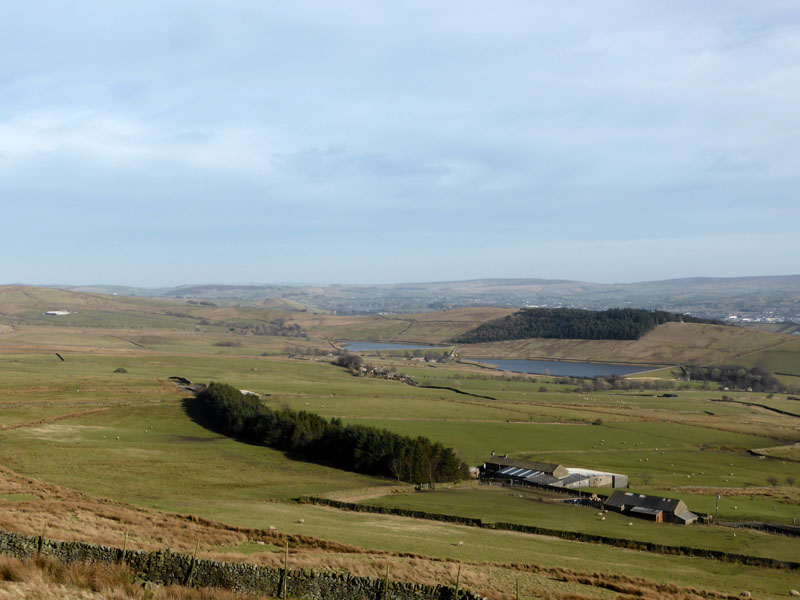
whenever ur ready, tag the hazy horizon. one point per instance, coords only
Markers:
(373, 283)
(372, 142)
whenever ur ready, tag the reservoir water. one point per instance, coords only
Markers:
(561, 368)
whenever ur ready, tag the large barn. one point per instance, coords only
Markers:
(654, 508)
(548, 474)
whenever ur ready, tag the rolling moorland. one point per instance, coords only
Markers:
(716, 297)
(98, 446)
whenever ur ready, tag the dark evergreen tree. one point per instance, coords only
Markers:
(354, 447)
(573, 323)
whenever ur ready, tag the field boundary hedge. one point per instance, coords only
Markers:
(577, 536)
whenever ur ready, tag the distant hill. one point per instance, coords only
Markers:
(171, 320)
(576, 324)
(27, 305)
(773, 297)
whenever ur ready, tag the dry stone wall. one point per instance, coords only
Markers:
(578, 536)
(169, 568)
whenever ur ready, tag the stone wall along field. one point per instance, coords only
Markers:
(169, 568)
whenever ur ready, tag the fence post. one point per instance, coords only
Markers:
(191, 564)
(386, 584)
(285, 569)
(458, 581)
(124, 548)
(41, 540)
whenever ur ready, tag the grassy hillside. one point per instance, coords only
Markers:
(669, 343)
(25, 305)
(125, 436)
(698, 295)
(21, 311)
(75, 431)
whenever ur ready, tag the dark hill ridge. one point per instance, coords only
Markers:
(575, 324)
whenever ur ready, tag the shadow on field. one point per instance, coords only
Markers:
(198, 414)
(194, 409)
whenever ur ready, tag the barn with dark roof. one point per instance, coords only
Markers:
(654, 508)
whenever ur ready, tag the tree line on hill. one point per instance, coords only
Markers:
(277, 327)
(734, 377)
(351, 362)
(357, 448)
(574, 323)
(619, 382)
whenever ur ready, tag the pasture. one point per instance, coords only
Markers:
(125, 436)
(530, 507)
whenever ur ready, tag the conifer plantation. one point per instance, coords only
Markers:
(309, 436)
(574, 323)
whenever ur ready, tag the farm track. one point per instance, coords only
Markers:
(687, 419)
(130, 342)
(406, 328)
(447, 420)
(53, 419)
(765, 349)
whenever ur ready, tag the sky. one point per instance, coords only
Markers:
(168, 142)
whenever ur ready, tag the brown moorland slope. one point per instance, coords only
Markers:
(669, 343)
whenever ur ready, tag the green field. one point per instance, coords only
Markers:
(126, 436)
(509, 505)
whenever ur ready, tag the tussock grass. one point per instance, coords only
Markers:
(42, 578)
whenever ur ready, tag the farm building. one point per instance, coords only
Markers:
(548, 474)
(579, 478)
(654, 508)
(56, 313)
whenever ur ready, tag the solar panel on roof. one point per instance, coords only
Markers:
(645, 511)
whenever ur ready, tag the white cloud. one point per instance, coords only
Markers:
(111, 139)
(488, 120)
